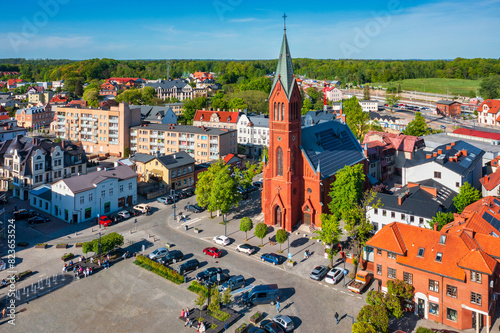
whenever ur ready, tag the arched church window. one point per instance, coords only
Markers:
(279, 162)
(275, 112)
(282, 111)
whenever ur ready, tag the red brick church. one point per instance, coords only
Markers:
(302, 161)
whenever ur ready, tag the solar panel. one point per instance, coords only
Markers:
(492, 220)
(497, 202)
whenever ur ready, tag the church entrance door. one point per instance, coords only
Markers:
(277, 216)
(307, 219)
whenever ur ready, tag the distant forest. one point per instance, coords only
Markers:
(231, 71)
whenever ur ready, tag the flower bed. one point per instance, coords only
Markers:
(68, 256)
(79, 245)
(159, 269)
(242, 329)
(41, 246)
(220, 315)
(61, 246)
(257, 316)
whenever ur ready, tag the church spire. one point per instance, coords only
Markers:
(284, 70)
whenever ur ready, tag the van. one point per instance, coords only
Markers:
(235, 282)
(263, 294)
(143, 208)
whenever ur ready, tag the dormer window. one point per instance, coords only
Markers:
(439, 256)
(421, 251)
(442, 240)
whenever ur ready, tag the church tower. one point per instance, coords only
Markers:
(282, 195)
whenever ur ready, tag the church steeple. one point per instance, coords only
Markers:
(284, 71)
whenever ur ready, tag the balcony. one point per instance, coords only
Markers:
(214, 141)
(94, 126)
(75, 117)
(62, 123)
(114, 142)
(60, 129)
(161, 136)
(113, 135)
(190, 147)
(113, 120)
(133, 141)
(133, 134)
(182, 146)
(61, 116)
(154, 136)
(115, 127)
(214, 150)
(161, 144)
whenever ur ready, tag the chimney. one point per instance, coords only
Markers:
(62, 144)
(440, 151)
(464, 152)
(486, 179)
(452, 144)
(448, 147)
(366, 150)
(218, 109)
(427, 156)
(434, 154)
(435, 227)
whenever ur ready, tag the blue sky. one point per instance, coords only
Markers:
(243, 29)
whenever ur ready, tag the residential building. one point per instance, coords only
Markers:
(27, 163)
(58, 99)
(333, 94)
(389, 123)
(253, 133)
(302, 162)
(86, 197)
(315, 117)
(235, 161)
(176, 107)
(164, 116)
(217, 119)
(487, 112)
(451, 165)
(405, 146)
(369, 106)
(104, 131)
(179, 89)
(40, 97)
(7, 100)
(455, 275)
(490, 184)
(14, 83)
(109, 88)
(9, 129)
(174, 171)
(202, 143)
(58, 84)
(35, 117)
(127, 82)
(381, 160)
(448, 108)
(415, 204)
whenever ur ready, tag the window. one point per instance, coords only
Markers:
(408, 277)
(384, 212)
(379, 269)
(130, 186)
(412, 218)
(279, 162)
(391, 273)
(421, 220)
(110, 192)
(451, 291)
(391, 255)
(437, 174)
(475, 277)
(475, 298)
(375, 211)
(433, 308)
(451, 314)
(121, 188)
(439, 256)
(88, 213)
(457, 184)
(434, 286)
(91, 196)
(421, 251)
(403, 217)
(442, 240)
(379, 252)
(393, 215)
(107, 207)
(103, 193)
(82, 200)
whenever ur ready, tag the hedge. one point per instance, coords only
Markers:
(159, 269)
(196, 287)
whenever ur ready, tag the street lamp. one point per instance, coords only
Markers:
(172, 193)
(225, 225)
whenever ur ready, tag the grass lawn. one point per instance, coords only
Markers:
(438, 86)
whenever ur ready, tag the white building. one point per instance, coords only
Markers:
(253, 133)
(82, 198)
(451, 165)
(369, 105)
(333, 94)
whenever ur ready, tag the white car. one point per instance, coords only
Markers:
(334, 275)
(222, 240)
(245, 248)
(158, 253)
(125, 214)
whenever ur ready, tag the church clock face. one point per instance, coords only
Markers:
(293, 138)
(279, 138)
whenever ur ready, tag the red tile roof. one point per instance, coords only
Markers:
(224, 116)
(80, 102)
(493, 105)
(471, 218)
(399, 142)
(58, 99)
(4, 117)
(479, 134)
(455, 252)
(491, 181)
(123, 80)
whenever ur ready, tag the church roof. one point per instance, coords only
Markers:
(332, 145)
(284, 71)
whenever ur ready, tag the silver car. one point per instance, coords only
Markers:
(285, 322)
(158, 253)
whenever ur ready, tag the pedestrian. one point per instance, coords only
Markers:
(64, 268)
(278, 306)
(80, 259)
(90, 270)
(4, 313)
(91, 260)
(99, 262)
(107, 257)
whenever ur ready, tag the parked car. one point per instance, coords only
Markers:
(133, 212)
(23, 214)
(189, 191)
(334, 275)
(273, 258)
(38, 219)
(271, 327)
(172, 257)
(165, 200)
(212, 281)
(262, 294)
(193, 208)
(105, 221)
(158, 253)
(258, 184)
(245, 248)
(208, 273)
(222, 240)
(255, 329)
(143, 208)
(124, 214)
(319, 272)
(213, 252)
(115, 218)
(285, 322)
(252, 188)
(235, 282)
(189, 265)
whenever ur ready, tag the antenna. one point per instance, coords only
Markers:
(168, 70)
(284, 22)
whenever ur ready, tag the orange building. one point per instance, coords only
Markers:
(302, 162)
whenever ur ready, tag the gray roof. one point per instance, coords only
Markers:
(446, 102)
(330, 146)
(284, 70)
(318, 116)
(464, 163)
(86, 182)
(168, 84)
(43, 191)
(143, 158)
(184, 129)
(176, 160)
(377, 115)
(153, 114)
(259, 121)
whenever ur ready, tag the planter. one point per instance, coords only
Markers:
(290, 263)
(40, 246)
(79, 245)
(61, 246)
(242, 329)
(197, 231)
(67, 256)
(257, 316)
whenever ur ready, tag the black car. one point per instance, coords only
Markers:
(193, 208)
(189, 192)
(208, 273)
(115, 218)
(258, 184)
(133, 212)
(24, 214)
(213, 279)
(271, 327)
(252, 188)
(189, 265)
(172, 257)
(38, 219)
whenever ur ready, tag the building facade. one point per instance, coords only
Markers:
(449, 108)
(369, 106)
(487, 112)
(217, 119)
(40, 97)
(202, 143)
(103, 131)
(253, 133)
(35, 117)
(179, 89)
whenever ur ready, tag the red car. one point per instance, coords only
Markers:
(213, 252)
(105, 221)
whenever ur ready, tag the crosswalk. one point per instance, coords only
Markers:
(188, 222)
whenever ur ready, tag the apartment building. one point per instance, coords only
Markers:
(368, 106)
(487, 112)
(35, 117)
(217, 119)
(103, 131)
(202, 143)
(253, 133)
(40, 97)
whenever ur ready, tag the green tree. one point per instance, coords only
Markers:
(200, 301)
(262, 84)
(204, 185)
(330, 233)
(224, 193)
(424, 330)
(366, 93)
(281, 236)
(356, 118)
(246, 224)
(227, 298)
(392, 99)
(126, 152)
(417, 127)
(346, 191)
(472, 94)
(489, 88)
(306, 106)
(375, 126)
(218, 101)
(191, 106)
(363, 327)
(441, 219)
(466, 196)
(313, 93)
(91, 96)
(237, 104)
(375, 315)
(261, 232)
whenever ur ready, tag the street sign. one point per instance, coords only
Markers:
(289, 256)
(218, 277)
(345, 271)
